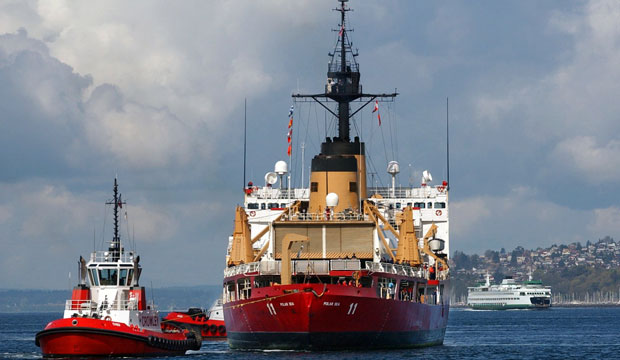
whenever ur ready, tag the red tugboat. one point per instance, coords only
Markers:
(109, 316)
(209, 324)
(339, 265)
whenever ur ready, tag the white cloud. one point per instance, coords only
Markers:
(596, 164)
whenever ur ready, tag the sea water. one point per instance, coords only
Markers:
(556, 333)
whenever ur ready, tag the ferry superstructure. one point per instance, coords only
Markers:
(509, 295)
(339, 264)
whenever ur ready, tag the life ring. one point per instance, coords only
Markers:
(438, 212)
(441, 188)
(107, 318)
(252, 213)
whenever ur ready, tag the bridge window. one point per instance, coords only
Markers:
(94, 280)
(108, 277)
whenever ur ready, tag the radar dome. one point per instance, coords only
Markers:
(281, 167)
(331, 200)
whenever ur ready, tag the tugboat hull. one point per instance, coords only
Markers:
(93, 337)
(308, 320)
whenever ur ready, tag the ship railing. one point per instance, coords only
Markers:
(103, 256)
(89, 305)
(253, 267)
(81, 305)
(396, 269)
(311, 267)
(407, 193)
(274, 193)
(342, 216)
(346, 264)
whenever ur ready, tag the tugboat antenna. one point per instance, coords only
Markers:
(245, 132)
(447, 145)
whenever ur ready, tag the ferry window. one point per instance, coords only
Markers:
(262, 206)
(398, 205)
(122, 279)
(352, 186)
(430, 205)
(314, 187)
(420, 205)
(94, 280)
(440, 205)
(108, 276)
(409, 204)
(253, 206)
(283, 205)
(271, 205)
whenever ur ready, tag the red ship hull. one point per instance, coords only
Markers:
(94, 337)
(313, 316)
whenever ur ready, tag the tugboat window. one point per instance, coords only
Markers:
(94, 280)
(122, 279)
(108, 277)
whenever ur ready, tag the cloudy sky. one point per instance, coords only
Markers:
(153, 92)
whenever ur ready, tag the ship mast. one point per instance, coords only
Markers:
(115, 250)
(339, 154)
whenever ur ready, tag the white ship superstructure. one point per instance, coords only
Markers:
(264, 205)
(509, 295)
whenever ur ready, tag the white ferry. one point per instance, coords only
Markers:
(509, 295)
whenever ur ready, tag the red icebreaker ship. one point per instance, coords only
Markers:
(338, 265)
(108, 314)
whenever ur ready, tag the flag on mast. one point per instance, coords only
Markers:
(290, 129)
(376, 110)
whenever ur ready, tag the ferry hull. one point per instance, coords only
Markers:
(92, 337)
(345, 318)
